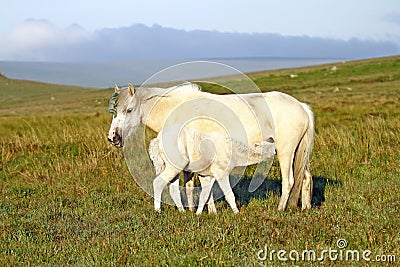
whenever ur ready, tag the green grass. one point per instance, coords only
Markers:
(67, 197)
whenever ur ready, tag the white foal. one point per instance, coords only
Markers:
(212, 155)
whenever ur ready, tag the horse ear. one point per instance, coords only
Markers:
(131, 89)
(116, 88)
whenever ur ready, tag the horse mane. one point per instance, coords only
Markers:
(188, 86)
(185, 88)
(146, 93)
(113, 104)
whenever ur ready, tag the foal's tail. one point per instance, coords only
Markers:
(155, 156)
(302, 157)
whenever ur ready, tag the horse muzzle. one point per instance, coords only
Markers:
(116, 139)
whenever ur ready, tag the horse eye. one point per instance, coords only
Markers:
(129, 110)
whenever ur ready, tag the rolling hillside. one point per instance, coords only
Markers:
(67, 197)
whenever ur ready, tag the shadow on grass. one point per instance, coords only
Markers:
(274, 186)
(319, 186)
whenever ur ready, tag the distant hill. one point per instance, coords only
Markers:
(21, 97)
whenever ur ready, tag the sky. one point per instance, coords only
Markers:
(28, 24)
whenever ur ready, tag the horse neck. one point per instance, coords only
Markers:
(158, 107)
(152, 117)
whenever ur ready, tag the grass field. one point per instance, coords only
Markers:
(67, 197)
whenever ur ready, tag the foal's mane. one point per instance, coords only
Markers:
(240, 147)
(244, 148)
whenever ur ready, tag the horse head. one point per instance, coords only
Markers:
(124, 106)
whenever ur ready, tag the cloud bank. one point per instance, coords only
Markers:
(39, 40)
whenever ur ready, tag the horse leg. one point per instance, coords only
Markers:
(306, 192)
(286, 165)
(302, 180)
(176, 194)
(228, 193)
(160, 182)
(188, 183)
(206, 186)
(295, 193)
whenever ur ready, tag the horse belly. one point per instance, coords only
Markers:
(290, 119)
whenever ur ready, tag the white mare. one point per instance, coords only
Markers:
(292, 121)
(212, 155)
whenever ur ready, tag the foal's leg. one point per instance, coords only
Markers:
(206, 186)
(189, 188)
(188, 183)
(211, 204)
(227, 190)
(160, 182)
(175, 194)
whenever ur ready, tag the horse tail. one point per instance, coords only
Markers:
(304, 149)
(155, 155)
